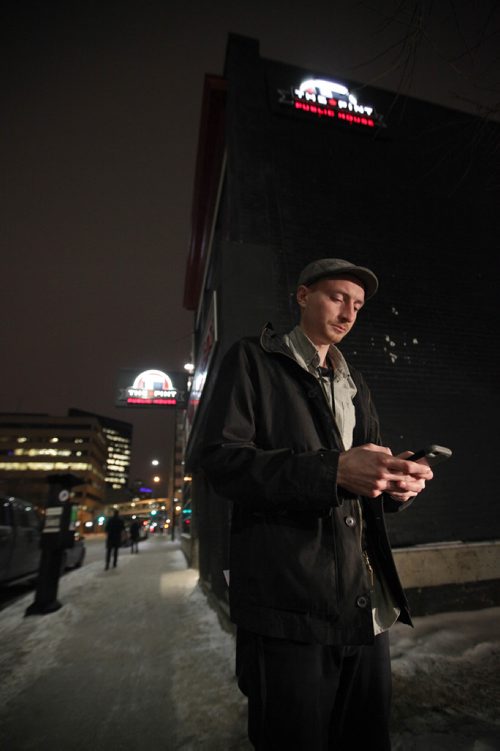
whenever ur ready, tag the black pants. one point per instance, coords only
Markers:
(112, 549)
(311, 697)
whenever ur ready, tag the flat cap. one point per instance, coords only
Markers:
(325, 268)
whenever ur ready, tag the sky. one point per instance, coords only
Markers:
(99, 129)
(168, 674)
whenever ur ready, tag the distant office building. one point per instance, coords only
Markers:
(118, 436)
(33, 446)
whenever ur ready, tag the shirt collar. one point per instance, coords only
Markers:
(310, 354)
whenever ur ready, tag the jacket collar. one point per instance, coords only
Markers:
(270, 341)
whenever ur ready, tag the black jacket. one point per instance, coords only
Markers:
(271, 446)
(114, 529)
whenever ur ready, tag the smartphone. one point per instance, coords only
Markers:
(432, 454)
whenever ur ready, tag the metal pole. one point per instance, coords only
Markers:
(173, 475)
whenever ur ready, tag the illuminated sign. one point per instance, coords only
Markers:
(151, 388)
(330, 100)
(204, 356)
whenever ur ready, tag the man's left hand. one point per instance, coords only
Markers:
(410, 485)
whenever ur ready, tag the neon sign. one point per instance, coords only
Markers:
(330, 100)
(152, 388)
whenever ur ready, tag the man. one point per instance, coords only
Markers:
(114, 531)
(134, 536)
(293, 440)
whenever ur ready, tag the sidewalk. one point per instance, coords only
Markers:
(136, 659)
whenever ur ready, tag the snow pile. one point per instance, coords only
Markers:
(447, 682)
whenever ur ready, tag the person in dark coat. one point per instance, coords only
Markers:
(134, 536)
(292, 438)
(114, 531)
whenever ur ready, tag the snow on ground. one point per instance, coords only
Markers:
(30, 644)
(446, 670)
(447, 681)
(139, 641)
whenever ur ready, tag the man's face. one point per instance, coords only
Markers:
(329, 308)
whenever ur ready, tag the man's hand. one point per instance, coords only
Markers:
(371, 470)
(415, 484)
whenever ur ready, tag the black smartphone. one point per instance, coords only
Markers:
(432, 454)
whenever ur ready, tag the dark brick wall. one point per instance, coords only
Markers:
(418, 203)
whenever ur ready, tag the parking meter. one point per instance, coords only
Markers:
(58, 533)
(60, 516)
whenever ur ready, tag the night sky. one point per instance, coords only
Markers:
(99, 130)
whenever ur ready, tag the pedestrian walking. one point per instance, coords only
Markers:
(114, 534)
(134, 536)
(293, 440)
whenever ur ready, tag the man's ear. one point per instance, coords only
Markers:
(302, 293)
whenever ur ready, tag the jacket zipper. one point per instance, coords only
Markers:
(364, 552)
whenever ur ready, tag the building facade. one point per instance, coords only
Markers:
(118, 435)
(34, 446)
(295, 165)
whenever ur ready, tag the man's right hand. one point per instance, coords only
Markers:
(371, 470)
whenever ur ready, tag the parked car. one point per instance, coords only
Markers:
(75, 556)
(20, 534)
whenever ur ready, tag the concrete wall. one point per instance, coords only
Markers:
(450, 576)
(448, 563)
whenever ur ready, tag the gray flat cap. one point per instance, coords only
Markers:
(325, 268)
